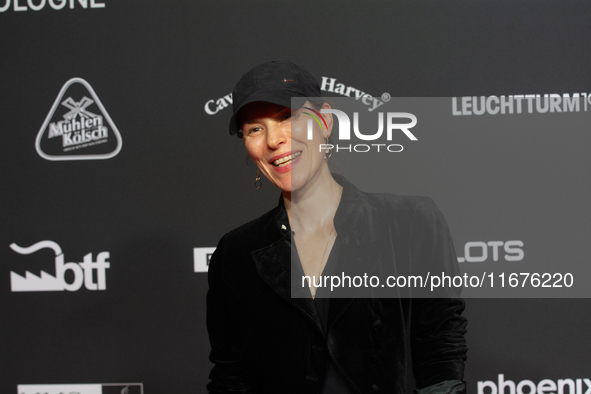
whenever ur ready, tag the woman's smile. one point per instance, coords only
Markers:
(284, 162)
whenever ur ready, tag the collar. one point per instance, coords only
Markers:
(355, 219)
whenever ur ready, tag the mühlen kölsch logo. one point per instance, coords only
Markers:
(78, 127)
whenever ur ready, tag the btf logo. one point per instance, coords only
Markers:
(83, 271)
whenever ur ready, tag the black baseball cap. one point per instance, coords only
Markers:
(277, 82)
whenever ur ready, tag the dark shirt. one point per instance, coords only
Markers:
(333, 384)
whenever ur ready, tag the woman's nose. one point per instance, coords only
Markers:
(277, 135)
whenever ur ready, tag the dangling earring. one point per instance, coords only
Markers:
(257, 180)
(328, 151)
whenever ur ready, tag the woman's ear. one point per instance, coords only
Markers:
(328, 119)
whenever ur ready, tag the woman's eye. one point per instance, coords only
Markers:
(286, 115)
(254, 130)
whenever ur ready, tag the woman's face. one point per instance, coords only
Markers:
(276, 139)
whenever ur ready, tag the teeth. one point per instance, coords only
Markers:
(286, 160)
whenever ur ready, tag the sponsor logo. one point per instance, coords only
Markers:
(201, 257)
(97, 388)
(83, 272)
(36, 5)
(331, 85)
(519, 104)
(560, 386)
(78, 127)
(213, 106)
(478, 251)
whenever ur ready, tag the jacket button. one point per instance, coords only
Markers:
(375, 387)
(316, 347)
(377, 323)
(312, 378)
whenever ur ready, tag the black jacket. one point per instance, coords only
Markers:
(265, 341)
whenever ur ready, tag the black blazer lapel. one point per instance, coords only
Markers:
(273, 264)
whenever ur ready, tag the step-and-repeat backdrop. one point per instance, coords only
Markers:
(119, 176)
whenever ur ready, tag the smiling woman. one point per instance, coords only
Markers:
(265, 341)
(288, 160)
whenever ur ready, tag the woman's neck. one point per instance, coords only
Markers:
(313, 207)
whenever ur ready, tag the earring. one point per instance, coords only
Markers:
(328, 151)
(257, 180)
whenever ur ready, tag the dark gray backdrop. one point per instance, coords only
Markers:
(180, 181)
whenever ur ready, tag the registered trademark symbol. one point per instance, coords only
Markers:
(386, 97)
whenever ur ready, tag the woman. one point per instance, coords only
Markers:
(266, 339)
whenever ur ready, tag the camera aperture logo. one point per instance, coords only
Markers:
(78, 127)
(316, 119)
